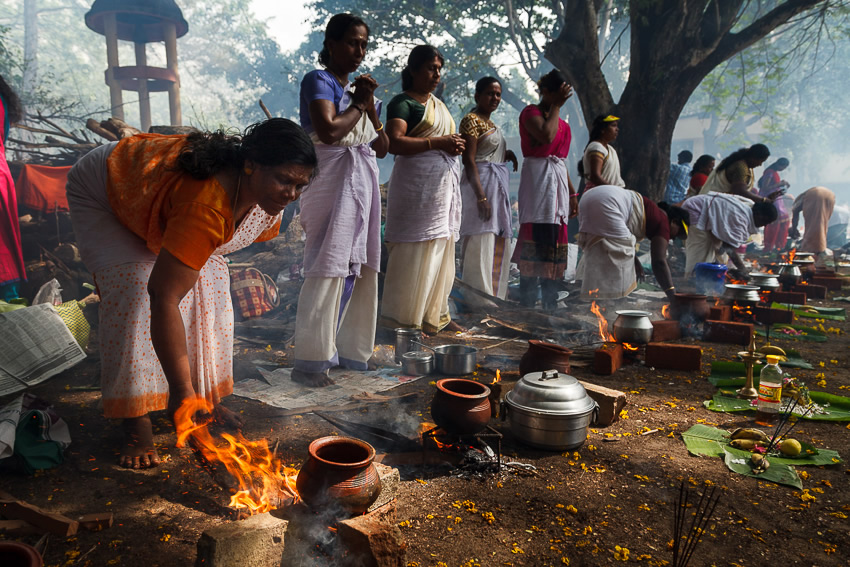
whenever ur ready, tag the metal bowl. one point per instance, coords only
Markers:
(738, 292)
(764, 281)
(455, 360)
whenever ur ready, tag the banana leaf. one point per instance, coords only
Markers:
(811, 333)
(837, 408)
(703, 440)
(739, 461)
(829, 313)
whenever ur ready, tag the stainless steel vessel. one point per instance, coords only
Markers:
(764, 281)
(549, 411)
(417, 363)
(406, 340)
(744, 293)
(633, 327)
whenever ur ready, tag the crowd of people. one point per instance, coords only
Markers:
(155, 214)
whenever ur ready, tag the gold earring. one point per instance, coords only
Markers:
(248, 171)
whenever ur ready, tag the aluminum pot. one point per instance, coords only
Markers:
(453, 360)
(633, 327)
(789, 275)
(744, 293)
(406, 340)
(417, 363)
(764, 281)
(549, 411)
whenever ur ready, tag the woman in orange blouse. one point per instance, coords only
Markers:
(153, 216)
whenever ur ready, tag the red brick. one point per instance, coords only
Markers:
(728, 332)
(824, 272)
(372, 540)
(720, 313)
(673, 357)
(666, 331)
(610, 402)
(832, 284)
(608, 359)
(811, 291)
(796, 298)
(768, 316)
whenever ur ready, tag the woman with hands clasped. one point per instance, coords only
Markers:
(547, 198)
(423, 201)
(340, 210)
(486, 223)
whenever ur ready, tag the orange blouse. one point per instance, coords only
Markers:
(165, 206)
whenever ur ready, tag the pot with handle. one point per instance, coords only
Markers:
(453, 360)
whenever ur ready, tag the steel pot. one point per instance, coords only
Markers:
(406, 340)
(633, 327)
(764, 281)
(744, 293)
(549, 411)
(417, 363)
(453, 360)
(789, 275)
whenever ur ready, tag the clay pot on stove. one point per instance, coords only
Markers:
(461, 406)
(339, 472)
(689, 305)
(542, 356)
(15, 554)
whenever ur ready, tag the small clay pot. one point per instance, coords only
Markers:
(542, 356)
(339, 472)
(16, 554)
(689, 304)
(461, 406)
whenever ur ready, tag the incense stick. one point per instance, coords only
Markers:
(701, 517)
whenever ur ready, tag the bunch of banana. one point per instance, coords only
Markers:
(746, 444)
(750, 433)
(759, 463)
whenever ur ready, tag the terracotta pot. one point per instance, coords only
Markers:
(689, 304)
(461, 406)
(339, 472)
(542, 356)
(15, 554)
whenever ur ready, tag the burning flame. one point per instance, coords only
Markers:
(792, 254)
(629, 347)
(498, 377)
(743, 310)
(665, 312)
(261, 477)
(602, 322)
(428, 426)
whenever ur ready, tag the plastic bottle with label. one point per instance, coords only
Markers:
(770, 392)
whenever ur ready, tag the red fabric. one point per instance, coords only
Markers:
(560, 146)
(776, 235)
(11, 258)
(42, 188)
(698, 180)
(657, 223)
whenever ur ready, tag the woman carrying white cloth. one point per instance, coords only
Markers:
(611, 221)
(341, 210)
(721, 223)
(423, 202)
(485, 227)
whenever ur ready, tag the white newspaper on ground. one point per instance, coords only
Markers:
(35, 344)
(280, 391)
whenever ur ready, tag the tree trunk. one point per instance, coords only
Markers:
(30, 46)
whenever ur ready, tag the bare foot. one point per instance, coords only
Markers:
(313, 379)
(227, 418)
(138, 451)
(454, 327)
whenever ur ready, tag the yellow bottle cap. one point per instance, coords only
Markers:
(772, 359)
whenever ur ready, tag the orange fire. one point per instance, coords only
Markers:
(665, 312)
(792, 254)
(498, 377)
(428, 426)
(629, 347)
(261, 476)
(602, 322)
(743, 310)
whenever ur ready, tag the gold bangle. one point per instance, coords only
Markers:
(429, 142)
(482, 200)
(381, 127)
(669, 288)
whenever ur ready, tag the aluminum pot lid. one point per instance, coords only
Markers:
(551, 393)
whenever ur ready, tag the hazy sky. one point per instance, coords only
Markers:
(286, 20)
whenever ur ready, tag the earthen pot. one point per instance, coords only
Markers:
(542, 356)
(16, 554)
(461, 406)
(339, 472)
(686, 305)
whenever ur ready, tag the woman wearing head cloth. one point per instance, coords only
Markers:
(423, 200)
(153, 216)
(340, 210)
(547, 198)
(735, 175)
(600, 163)
(485, 227)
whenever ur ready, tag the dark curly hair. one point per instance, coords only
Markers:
(758, 151)
(276, 141)
(337, 26)
(675, 214)
(552, 80)
(12, 106)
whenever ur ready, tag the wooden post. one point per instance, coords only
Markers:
(144, 96)
(110, 30)
(170, 32)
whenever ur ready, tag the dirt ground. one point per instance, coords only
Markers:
(573, 508)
